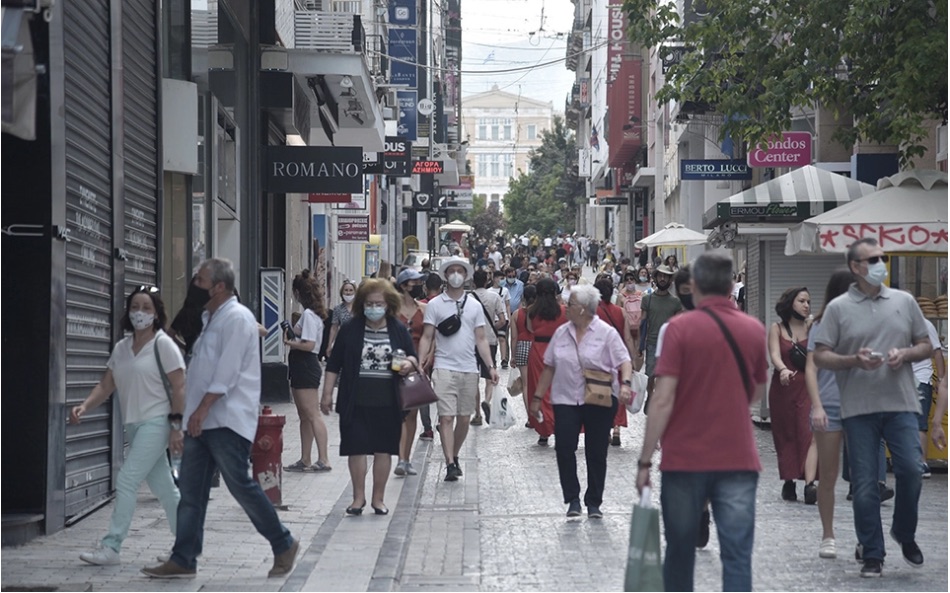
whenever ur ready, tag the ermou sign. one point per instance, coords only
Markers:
(312, 169)
(702, 170)
(793, 149)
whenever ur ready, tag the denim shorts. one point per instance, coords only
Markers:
(834, 419)
(925, 396)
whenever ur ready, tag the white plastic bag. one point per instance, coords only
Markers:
(501, 413)
(639, 388)
(515, 382)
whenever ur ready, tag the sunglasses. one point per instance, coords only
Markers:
(875, 258)
(145, 288)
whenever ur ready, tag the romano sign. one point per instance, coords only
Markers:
(312, 169)
(696, 170)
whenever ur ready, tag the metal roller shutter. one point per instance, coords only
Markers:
(784, 272)
(140, 104)
(89, 270)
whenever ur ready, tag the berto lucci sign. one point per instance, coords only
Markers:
(793, 149)
(312, 169)
(701, 170)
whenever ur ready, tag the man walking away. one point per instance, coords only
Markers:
(697, 404)
(222, 396)
(870, 336)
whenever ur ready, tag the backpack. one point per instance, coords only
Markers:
(631, 308)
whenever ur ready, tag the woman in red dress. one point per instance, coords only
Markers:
(614, 317)
(544, 317)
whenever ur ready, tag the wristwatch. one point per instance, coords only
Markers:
(174, 421)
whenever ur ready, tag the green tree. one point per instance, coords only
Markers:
(882, 62)
(488, 223)
(545, 198)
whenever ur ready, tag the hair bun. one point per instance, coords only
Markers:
(305, 273)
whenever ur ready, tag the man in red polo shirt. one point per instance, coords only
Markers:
(713, 367)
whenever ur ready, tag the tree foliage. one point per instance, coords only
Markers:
(488, 223)
(545, 198)
(884, 62)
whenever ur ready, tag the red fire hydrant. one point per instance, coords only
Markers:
(266, 454)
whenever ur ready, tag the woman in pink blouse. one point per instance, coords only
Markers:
(585, 342)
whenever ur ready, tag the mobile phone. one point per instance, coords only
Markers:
(876, 355)
(288, 331)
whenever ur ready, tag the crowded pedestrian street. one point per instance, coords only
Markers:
(501, 527)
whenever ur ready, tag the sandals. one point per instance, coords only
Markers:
(297, 466)
(319, 466)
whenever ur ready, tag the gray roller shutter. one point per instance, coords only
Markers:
(89, 273)
(784, 272)
(140, 140)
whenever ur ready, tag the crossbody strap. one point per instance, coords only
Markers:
(735, 349)
(161, 370)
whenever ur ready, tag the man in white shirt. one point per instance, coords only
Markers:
(456, 324)
(923, 374)
(222, 395)
(497, 317)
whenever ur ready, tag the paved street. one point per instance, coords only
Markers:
(500, 528)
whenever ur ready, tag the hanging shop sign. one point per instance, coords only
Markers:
(719, 170)
(407, 124)
(422, 167)
(352, 228)
(402, 12)
(792, 149)
(403, 50)
(330, 198)
(312, 169)
(923, 236)
(397, 157)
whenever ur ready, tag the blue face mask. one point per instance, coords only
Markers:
(374, 313)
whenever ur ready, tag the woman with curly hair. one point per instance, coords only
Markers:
(305, 374)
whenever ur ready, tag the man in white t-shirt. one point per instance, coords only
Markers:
(497, 317)
(923, 373)
(456, 324)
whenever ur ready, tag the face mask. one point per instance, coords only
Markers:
(510, 280)
(644, 279)
(571, 282)
(456, 280)
(348, 298)
(631, 286)
(798, 316)
(687, 300)
(417, 292)
(141, 319)
(374, 313)
(876, 273)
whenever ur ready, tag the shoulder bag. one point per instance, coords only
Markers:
(161, 371)
(796, 353)
(415, 391)
(740, 362)
(598, 385)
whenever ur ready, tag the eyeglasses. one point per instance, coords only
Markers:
(875, 258)
(145, 288)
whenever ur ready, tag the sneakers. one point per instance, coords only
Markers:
(788, 491)
(426, 435)
(574, 508)
(410, 471)
(811, 493)
(452, 473)
(543, 441)
(169, 570)
(458, 467)
(101, 556)
(594, 512)
(400, 468)
(827, 548)
(925, 471)
(486, 409)
(504, 364)
(911, 552)
(615, 440)
(887, 492)
(284, 562)
(476, 421)
(871, 568)
(703, 538)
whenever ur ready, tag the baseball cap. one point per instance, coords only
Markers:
(407, 275)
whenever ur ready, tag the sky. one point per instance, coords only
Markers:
(506, 34)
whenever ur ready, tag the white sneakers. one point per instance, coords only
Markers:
(404, 468)
(101, 556)
(827, 548)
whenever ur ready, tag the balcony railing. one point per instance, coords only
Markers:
(204, 28)
(335, 32)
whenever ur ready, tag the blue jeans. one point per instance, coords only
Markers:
(863, 433)
(732, 494)
(147, 462)
(925, 394)
(881, 462)
(228, 451)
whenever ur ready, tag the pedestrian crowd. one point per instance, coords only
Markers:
(848, 383)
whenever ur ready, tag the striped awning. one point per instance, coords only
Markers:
(790, 198)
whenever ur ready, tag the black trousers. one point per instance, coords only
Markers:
(597, 422)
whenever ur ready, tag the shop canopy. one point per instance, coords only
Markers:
(789, 198)
(672, 234)
(455, 226)
(907, 214)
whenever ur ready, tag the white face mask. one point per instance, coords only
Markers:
(348, 298)
(141, 320)
(456, 280)
(876, 273)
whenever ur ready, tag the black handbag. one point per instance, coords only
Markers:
(796, 353)
(450, 325)
(415, 391)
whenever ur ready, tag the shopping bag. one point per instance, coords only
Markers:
(644, 564)
(639, 388)
(501, 416)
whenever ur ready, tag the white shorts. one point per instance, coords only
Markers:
(457, 392)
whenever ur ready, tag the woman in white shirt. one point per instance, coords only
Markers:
(151, 414)
(305, 373)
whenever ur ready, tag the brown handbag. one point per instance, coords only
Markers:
(598, 385)
(415, 391)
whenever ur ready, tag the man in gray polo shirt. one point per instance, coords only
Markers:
(455, 374)
(870, 336)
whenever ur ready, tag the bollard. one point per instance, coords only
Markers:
(266, 454)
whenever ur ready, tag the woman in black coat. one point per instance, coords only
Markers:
(368, 397)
